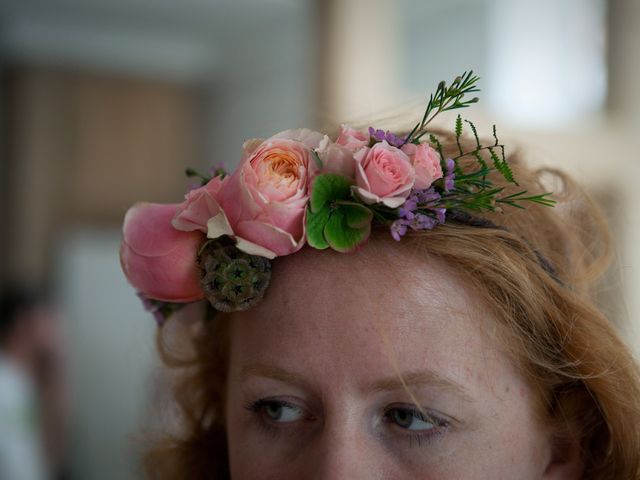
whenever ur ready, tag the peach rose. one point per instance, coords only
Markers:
(384, 174)
(426, 163)
(158, 260)
(351, 138)
(263, 201)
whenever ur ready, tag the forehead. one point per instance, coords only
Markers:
(326, 311)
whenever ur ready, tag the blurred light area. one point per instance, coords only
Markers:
(362, 67)
(114, 49)
(110, 354)
(441, 39)
(546, 60)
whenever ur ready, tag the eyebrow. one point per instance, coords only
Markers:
(417, 378)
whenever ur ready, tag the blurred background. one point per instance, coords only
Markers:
(104, 103)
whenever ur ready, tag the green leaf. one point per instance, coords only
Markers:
(329, 187)
(340, 236)
(356, 215)
(481, 161)
(475, 134)
(315, 227)
(459, 132)
(502, 166)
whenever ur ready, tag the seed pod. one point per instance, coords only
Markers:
(232, 280)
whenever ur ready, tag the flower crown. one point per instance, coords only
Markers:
(300, 187)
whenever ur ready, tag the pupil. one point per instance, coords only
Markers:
(274, 411)
(403, 418)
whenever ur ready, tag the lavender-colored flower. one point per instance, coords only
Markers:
(379, 135)
(376, 134)
(428, 195)
(398, 229)
(440, 214)
(451, 176)
(423, 222)
(408, 209)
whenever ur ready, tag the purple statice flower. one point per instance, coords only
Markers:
(408, 208)
(379, 135)
(450, 176)
(423, 222)
(428, 195)
(412, 213)
(399, 228)
(440, 213)
(154, 308)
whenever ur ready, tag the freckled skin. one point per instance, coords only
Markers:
(345, 321)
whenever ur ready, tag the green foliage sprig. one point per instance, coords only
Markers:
(445, 98)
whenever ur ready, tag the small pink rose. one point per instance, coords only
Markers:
(384, 174)
(198, 207)
(351, 138)
(158, 260)
(264, 200)
(426, 162)
(335, 159)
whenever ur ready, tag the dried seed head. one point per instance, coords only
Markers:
(232, 280)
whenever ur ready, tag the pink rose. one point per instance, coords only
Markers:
(351, 138)
(263, 201)
(158, 260)
(335, 159)
(199, 206)
(384, 174)
(426, 163)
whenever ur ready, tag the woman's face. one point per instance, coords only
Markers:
(314, 378)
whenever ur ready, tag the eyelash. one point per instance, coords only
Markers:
(440, 426)
(267, 426)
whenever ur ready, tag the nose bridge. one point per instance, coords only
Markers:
(347, 449)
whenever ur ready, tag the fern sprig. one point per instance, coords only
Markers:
(445, 98)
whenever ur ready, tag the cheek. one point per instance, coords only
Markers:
(508, 443)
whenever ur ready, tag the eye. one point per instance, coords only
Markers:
(279, 411)
(410, 418)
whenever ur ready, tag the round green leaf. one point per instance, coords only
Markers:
(315, 228)
(356, 214)
(328, 187)
(340, 236)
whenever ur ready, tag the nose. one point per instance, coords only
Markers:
(347, 450)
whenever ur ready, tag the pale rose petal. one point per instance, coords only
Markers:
(308, 137)
(269, 236)
(158, 260)
(426, 162)
(365, 195)
(236, 200)
(250, 145)
(143, 229)
(361, 177)
(335, 159)
(254, 249)
(200, 205)
(218, 226)
(285, 216)
(393, 202)
(351, 138)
